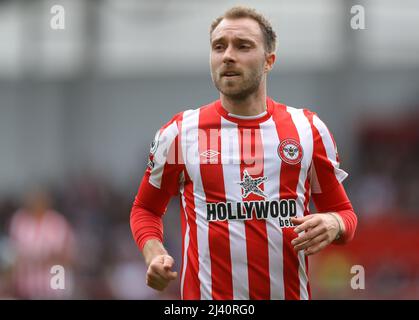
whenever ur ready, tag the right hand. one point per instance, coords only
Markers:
(159, 272)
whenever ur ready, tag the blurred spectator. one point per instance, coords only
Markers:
(388, 157)
(375, 194)
(40, 238)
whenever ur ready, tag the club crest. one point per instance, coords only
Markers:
(290, 151)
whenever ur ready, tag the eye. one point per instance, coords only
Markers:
(218, 47)
(244, 46)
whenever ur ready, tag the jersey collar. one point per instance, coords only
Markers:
(253, 120)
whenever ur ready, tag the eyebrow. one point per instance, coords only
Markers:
(244, 39)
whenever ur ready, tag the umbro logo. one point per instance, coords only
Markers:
(209, 154)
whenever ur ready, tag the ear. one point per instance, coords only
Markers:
(269, 61)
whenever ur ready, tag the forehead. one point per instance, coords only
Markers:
(241, 27)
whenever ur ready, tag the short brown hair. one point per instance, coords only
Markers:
(245, 12)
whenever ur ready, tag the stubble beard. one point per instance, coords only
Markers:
(239, 91)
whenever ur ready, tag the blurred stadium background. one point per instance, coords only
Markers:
(80, 106)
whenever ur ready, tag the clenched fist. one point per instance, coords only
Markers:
(159, 272)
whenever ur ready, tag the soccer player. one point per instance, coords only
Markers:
(245, 167)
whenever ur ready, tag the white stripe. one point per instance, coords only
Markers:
(272, 169)
(330, 147)
(165, 140)
(190, 151)
(306, 141)
(230, 157)
(302, 275)
(185, 243)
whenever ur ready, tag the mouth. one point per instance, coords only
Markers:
(230, 74)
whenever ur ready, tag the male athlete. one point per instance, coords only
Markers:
(246, 167)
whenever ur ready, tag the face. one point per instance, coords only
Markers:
(239, 61)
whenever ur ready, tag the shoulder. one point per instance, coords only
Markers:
(308, 113)
(279, 107)
(56, 219)
(189, 116)
(186, 114)
(171, 129)
(172, 126)
(282, 112)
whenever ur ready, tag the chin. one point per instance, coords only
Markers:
(228, 91)
(231, 90)
(236, 95)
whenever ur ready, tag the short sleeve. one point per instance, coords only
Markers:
(326, 173)
(164, 165)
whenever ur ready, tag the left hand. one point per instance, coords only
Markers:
(320, 230)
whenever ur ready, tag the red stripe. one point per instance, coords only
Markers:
(173, 165)
(176, 117)
(289, 177)
(171, 155)
(191, 285)
(213, 184)
(324, 168)
(172, 169)
(251, 148)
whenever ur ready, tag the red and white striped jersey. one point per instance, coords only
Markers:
(241, 179)
(39, 244)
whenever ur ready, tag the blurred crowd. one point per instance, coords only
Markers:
(82, 224)
(98, 253)
(384, 190)
(388, 166)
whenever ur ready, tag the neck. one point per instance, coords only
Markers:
(251, 105)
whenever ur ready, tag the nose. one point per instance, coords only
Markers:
(229, 55)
